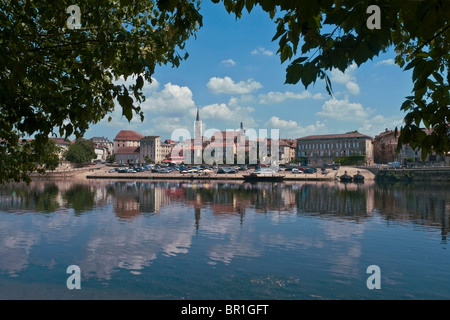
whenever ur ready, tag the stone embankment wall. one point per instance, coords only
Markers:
(422, 174)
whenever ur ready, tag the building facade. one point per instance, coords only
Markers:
(319, 150)
(153, 150)
(127, 138)
(384, 147)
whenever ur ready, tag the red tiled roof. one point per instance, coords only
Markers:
(336, 136)
(128, 150)
(61, 141)
(128, 135)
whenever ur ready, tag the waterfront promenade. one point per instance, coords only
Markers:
(331, 175)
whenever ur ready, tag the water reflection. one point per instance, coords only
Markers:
(132, 225)
(418, 203)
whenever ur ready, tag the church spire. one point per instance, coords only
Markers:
(198, 116)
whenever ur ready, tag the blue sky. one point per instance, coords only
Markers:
(233, 74)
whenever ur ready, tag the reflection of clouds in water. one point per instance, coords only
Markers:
(233, 243)
(15, 247)
(227, 252)
(133, 246)
(344, 238)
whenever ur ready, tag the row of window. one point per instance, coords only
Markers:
(310, 146)
(330, 153)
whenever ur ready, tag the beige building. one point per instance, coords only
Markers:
(385, 151)
(385, 146)
(318, 150)
(153, 150)
(127, 138)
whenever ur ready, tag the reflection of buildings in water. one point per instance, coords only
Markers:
(51, 195)
(152, 199)
(424, 204)
(333, 200)
(133, 198)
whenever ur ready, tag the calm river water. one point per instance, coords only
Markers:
(196, 240)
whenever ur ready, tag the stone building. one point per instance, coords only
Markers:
(385, 146)
(127, 138)
(319, 150)
(153, 150)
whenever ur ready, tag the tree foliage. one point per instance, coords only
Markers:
(81, 151)
(55, 80)
(58, 81)
(317, 36)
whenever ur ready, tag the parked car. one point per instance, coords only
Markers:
(131, 171)
(227, 170)
(112, 170)
(295, 170)
(309, 170)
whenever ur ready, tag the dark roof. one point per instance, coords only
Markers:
(128, 135)
(150, 137)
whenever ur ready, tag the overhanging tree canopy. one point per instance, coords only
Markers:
(59, 80)
(324, 34)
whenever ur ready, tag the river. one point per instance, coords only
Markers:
(172, 240)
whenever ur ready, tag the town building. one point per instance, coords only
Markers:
(153, 150)
(103, 147)
(127, 147)
(62, 144)
(127, 155)
(385, 146)
(318, 150)
(127, 138)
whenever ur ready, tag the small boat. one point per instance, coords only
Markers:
(346, 177)
(264, 174)
(358, 177)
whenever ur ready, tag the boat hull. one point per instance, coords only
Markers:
(267, 178)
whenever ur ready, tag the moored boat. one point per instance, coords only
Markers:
(346, 177)
(264, 174)
(358, 177)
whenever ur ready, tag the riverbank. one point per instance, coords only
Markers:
(288, 175)
(415, 174)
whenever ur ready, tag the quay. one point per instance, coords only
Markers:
(331, 175)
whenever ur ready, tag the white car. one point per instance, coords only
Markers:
(295, 170)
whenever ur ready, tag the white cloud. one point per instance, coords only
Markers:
(343, 110)
(227, 85)
(291, 129)
(229, 114)
(388, 62)
(229, 62)
(262, 51)
(172, 100)
(277, 97)
(347, 78)
(379, 123)
(352, 87)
